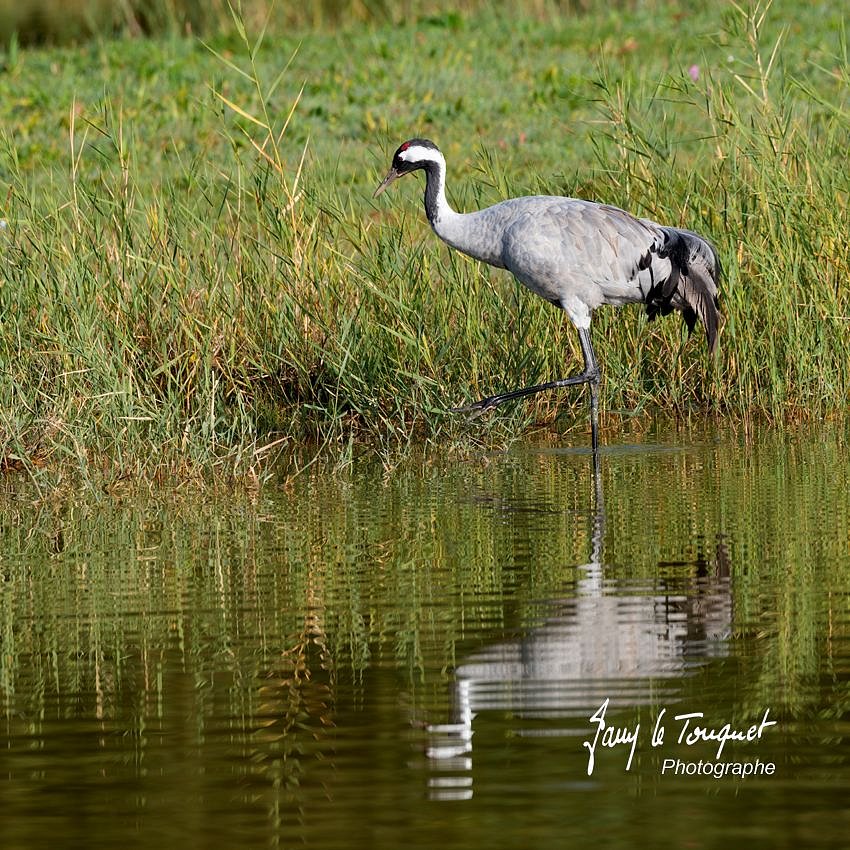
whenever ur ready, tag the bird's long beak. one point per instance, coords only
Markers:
(392, 174)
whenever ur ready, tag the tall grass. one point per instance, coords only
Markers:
(773, 193)
(199, 296)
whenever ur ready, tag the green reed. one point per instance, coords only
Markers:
(195, 279)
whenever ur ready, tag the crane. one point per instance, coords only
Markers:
(576, 254)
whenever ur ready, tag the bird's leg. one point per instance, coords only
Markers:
(590, 375)
(594, 414)
(591, 368)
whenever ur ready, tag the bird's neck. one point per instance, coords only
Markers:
(437, 208)
(461, 231)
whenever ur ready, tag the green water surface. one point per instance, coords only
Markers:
(412, 659)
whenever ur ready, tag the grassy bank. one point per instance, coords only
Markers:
(194, 277)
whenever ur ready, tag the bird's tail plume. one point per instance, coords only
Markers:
(692, 285)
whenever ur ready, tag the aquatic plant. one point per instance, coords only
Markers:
(195, 279)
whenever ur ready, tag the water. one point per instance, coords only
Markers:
(413, 659)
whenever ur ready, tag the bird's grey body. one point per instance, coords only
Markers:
(576, 254)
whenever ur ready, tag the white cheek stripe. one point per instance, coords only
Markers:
(416, 153)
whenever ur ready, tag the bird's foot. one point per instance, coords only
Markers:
(478, 407)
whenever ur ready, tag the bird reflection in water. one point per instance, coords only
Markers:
(612, 638)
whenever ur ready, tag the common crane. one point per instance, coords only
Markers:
(576, 254)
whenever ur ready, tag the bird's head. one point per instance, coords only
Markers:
(410, 156)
